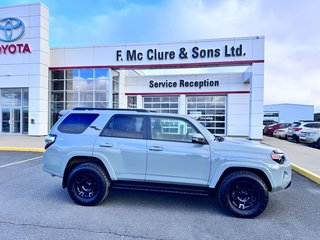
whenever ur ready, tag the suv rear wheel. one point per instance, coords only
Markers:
(88, 184)
(243, 194)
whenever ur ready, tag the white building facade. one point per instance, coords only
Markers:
(37, 81)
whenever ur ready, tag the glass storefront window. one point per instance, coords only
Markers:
(57, 85)
(72, 85)
(57, 96)
(86, 74)
(85, 84)
(86, 96)
(78, 88)
(69, 74)
(132, 101)
(100, 84)
(101, 73)
(25, 97)
(101, 104)
(72, 96)
(57, 74)
(6, 97)
(100, 96)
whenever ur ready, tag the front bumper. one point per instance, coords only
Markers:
(308, 140)
(282, 177)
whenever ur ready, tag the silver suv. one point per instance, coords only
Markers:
(311, 136)
(296, 129)
(94, 150)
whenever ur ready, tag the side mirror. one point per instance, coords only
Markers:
(198, 138)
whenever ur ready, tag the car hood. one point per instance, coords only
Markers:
(239, 148)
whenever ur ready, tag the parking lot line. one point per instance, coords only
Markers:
(23, 161)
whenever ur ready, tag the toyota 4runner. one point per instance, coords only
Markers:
(94, 150)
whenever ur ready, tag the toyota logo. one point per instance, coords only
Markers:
(11, 29)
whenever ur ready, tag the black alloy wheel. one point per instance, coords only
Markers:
(88, 184)
(243, 194)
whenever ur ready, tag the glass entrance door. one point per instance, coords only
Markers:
(6, 119)
(16, 120)
(11, 120)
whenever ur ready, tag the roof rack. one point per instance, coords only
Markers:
(111, 109)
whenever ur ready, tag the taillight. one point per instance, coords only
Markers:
(49, 140)
(297, 129)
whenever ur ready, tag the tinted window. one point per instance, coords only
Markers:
(76, 123)
(309, 125)
(171, 129)
(317, 125)
(127, 126)
(295, 124)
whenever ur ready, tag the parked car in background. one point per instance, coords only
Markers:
(268, 122)
(281, 133)
(268, 130)
(311, 137)
(296, 129)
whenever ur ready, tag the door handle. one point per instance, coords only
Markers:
(156, 148)
(95, 128)
(106, 145)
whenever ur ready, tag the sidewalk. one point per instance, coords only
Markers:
(306, 160)
(22, 143)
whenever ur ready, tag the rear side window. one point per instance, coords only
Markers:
(126, 126)
(76, 123)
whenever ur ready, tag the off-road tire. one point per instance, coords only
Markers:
(243, 194)
(88, 184)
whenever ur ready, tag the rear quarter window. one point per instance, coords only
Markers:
(76, 123)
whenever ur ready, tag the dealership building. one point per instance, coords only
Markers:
(219, 82)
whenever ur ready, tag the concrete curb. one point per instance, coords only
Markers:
(304, 172)
(21, 149)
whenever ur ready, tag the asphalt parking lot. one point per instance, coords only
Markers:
(34, 206)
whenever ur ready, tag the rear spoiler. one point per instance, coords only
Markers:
(63, 112)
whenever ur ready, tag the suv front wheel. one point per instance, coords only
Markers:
(88, 184)
(243, 194)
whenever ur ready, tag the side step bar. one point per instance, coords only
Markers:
(166, 188)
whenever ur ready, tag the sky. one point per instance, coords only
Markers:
(290, 27)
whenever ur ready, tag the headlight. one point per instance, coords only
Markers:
(278, 156)
(311, 134)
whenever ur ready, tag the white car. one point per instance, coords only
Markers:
(311, 137)
(280, 133)
(295, 130)
(94, 150)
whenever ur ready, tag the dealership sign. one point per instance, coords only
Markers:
(12, 29)
(182, 83)
(195, 52)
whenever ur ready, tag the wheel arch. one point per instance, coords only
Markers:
(256, 171)
(76, 161)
